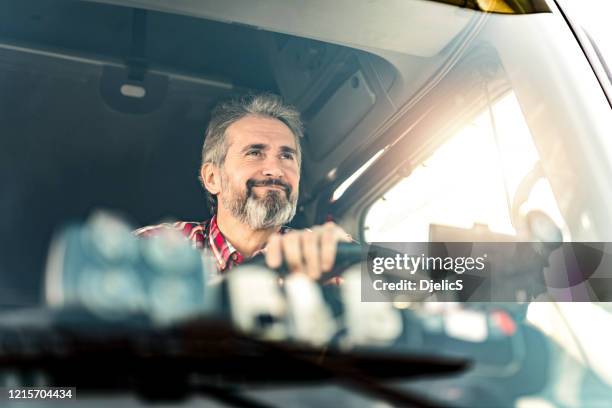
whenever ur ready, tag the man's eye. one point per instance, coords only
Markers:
(287, 156)
(254, 153)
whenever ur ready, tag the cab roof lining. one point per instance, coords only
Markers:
(414, 27)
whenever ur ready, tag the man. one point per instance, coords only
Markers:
(250, 170)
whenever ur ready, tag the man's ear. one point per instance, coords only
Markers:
(210, 178)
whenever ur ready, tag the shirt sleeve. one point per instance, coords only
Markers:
(153, 230)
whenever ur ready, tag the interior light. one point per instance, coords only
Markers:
(133, 91)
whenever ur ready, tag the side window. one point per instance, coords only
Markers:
(473, 178)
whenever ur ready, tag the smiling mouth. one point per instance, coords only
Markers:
(271, 184)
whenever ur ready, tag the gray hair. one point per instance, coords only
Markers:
(230, 111)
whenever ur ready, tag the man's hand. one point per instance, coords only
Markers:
(307, 251)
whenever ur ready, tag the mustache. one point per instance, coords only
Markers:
(266, 183)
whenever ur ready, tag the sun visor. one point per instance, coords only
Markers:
(334, 121)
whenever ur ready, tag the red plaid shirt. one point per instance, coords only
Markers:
(203, 235)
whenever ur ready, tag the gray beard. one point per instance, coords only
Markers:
(272, 210)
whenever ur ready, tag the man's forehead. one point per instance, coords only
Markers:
(252, 130)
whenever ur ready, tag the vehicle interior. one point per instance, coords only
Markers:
(105, 106)
(105, 103)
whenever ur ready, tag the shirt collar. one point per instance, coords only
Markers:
(224, 251)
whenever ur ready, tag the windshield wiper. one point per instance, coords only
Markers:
(194, 356)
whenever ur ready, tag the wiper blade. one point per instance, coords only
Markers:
(195, 355)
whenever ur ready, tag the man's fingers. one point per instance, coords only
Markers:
(312, 256)
(291, 243)
(274, 252)
(310, 251)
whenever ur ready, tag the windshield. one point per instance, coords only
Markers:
(304, 204)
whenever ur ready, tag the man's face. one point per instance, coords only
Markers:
(260, 176)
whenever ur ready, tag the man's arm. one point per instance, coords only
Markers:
(193, 231)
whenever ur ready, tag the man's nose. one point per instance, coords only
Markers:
(272, 168)
(274, 172)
